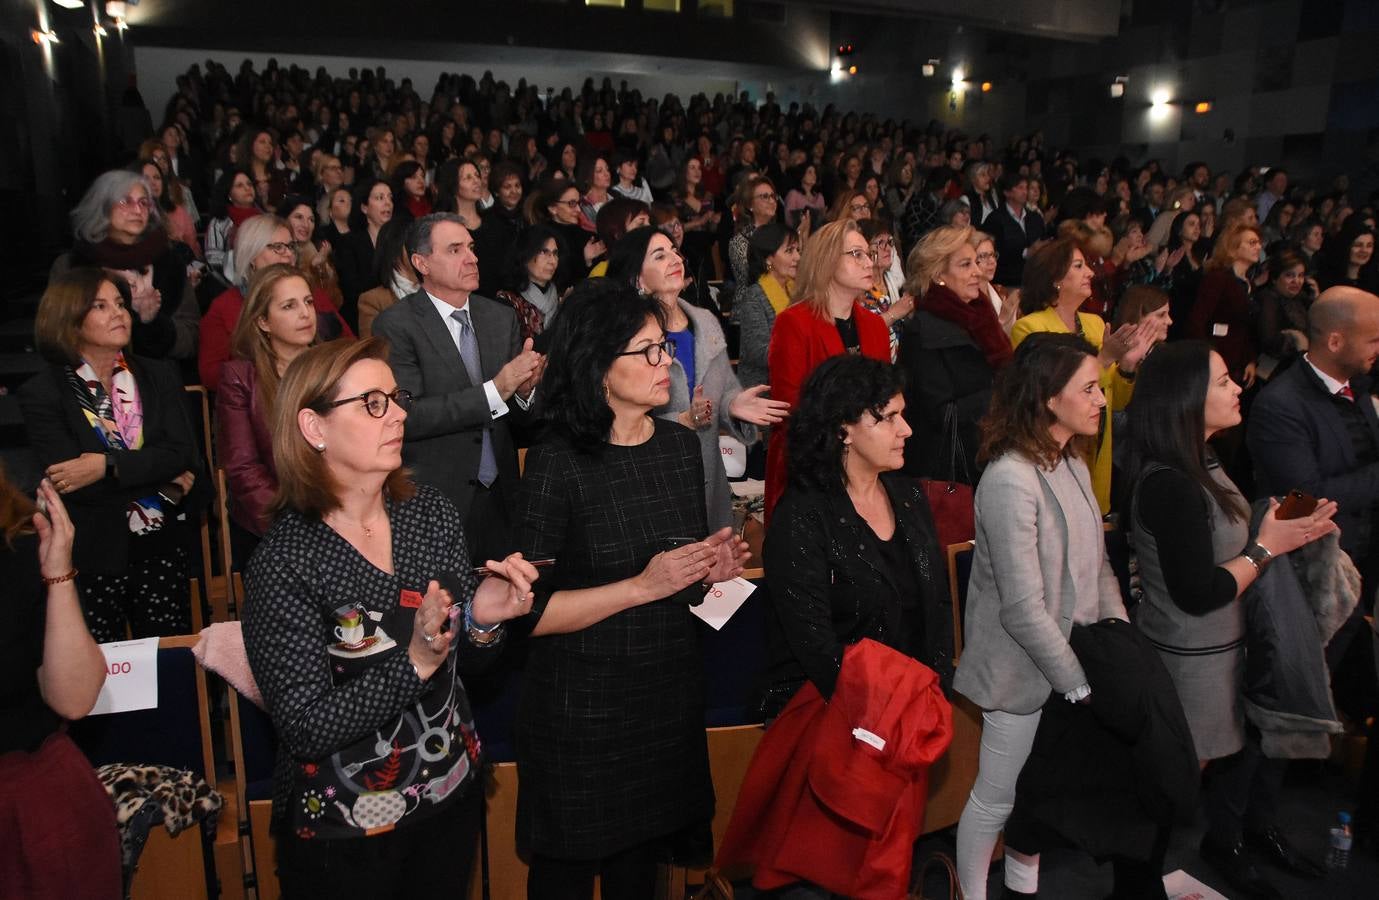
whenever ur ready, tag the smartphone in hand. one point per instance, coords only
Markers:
(1295, 505)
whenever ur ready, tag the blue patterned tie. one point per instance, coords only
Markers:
(469, 352)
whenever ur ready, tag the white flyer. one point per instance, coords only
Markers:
(1179, 885)
(131, 677)
(722, 600)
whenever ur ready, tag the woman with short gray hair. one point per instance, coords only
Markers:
(117, 226)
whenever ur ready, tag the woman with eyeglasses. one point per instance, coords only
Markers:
(259, 243)
(529, 284)
(705, 395)
(1006, 301)
(850, 204)
(826, 319)
(557, 205)
(363, 612)
(886, 297)
(756, 204)
(611, 750)
(117, 225)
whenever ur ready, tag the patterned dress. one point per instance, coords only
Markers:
(364, 745)
(611, 750)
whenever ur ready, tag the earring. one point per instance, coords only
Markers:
(942, 283)
(1058, 285)
(321, 447)
(607, 395)
(768, 265)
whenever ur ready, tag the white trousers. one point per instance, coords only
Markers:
(1006, 742)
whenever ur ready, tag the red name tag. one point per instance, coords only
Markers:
(411, 599)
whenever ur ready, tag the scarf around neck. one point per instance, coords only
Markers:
(777, 294)
(977, 318)
(111, 254)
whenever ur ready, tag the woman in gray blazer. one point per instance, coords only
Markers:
(773, 256)
(1039, 568)
(705, 395)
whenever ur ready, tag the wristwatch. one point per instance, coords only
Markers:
(1258, 555)
(110, 471)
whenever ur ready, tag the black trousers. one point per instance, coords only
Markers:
(1242, 791)
(628, 875)
(433, 860)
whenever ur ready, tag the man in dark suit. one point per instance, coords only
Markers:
(1314, 428)
(464, 360)
(1014, 229)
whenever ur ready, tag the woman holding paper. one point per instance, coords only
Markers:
(57, 827)
(611, 751)
(852, 552)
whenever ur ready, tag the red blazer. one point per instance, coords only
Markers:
(1223, 304)
(244, 446)
(835, 793)
(218, 324)
(800, 340)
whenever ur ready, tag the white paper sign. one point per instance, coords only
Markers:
(131, 677)
(1179, 885)
(722, 600)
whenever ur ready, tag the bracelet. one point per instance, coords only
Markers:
(61, 578)
(478, 635)
(416, 672)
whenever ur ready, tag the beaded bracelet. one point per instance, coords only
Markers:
(61, 578)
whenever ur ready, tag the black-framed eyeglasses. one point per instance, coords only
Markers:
(653, 352)
(281, 247)
(375, 401)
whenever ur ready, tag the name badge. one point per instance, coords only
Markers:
(411, 599)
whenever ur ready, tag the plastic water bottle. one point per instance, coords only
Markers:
(1338, 848)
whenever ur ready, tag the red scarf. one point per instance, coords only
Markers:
(113, 255)
(241, 214)
(977, 318)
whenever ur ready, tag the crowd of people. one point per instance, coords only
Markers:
(389, 295)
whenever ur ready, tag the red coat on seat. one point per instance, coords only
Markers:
(835, 793)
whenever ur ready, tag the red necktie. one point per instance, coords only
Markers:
(1346, 392)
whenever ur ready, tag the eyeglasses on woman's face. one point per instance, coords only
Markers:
(572, 203)
(131, 202)
(653, 353)
(375, 401)
(282, 248)
(988, 256)
(859, 255)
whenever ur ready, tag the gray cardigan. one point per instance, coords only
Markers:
(1022, 596)
(755, 317)
(712, 370)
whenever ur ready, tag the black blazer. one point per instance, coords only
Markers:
(443, 435)
(1011, 242)
(1298, 439)
(943, 365)
(829, 587)
(58, 431)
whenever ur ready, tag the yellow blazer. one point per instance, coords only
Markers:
(1116, 386)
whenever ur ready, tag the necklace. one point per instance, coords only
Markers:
(362, 526)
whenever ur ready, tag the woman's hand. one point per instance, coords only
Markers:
(751, 406)
(1143, 339)
(805, 225)
(505, 594)
(145, 300)
(671, 571)
(901, 309)
(1251, 369)
(429, 645)
(593, 250)
(731, 556)
(1115, 345)
(1280, 536)
(77, 473)
(55, 533)
(700, 412)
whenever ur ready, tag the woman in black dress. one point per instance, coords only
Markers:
(610, 732)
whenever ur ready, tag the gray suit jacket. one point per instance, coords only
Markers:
(443, 438)
(1022, 596)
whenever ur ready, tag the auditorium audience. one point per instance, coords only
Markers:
(611, 749)
(1191, 532)
(826, 318)
(110, 430)
(705, 395)
(951, 350)
(117, 226)
(355, 560)
(1039, 568)
(276, 324)
(463, 358)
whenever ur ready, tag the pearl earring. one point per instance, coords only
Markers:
(320, 446)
